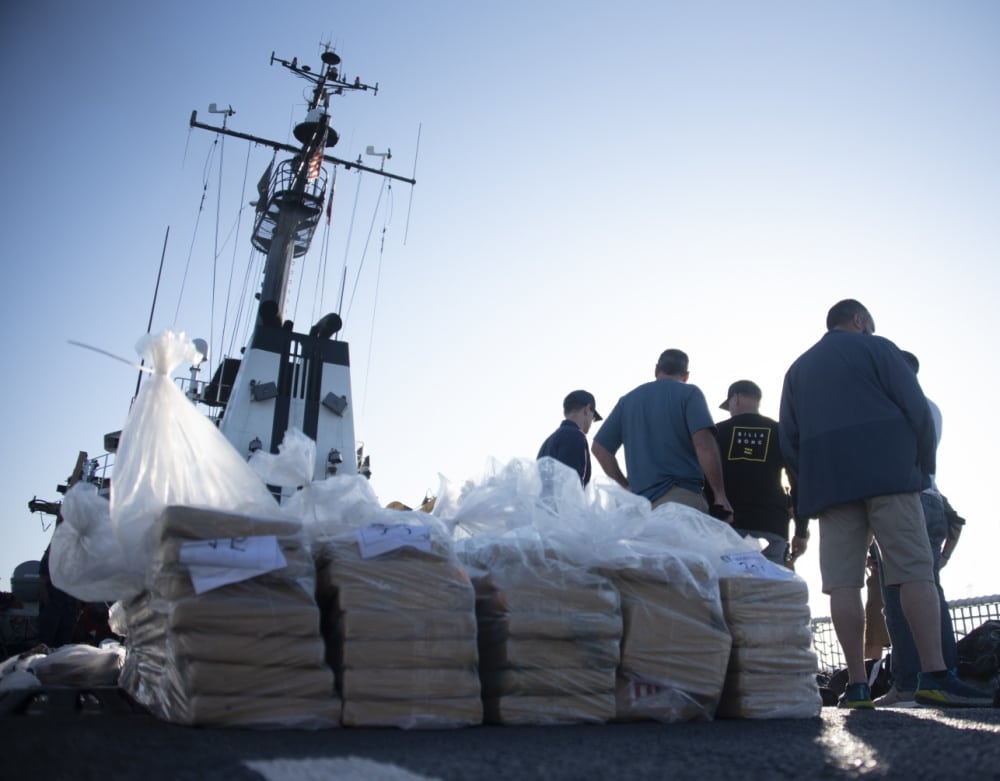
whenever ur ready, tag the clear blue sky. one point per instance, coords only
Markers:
(597, 182)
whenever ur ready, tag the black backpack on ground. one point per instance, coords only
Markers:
(979, 652)
(831, 688)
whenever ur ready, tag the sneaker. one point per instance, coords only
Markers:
(896, 698)
(950, 692)
(856, 695)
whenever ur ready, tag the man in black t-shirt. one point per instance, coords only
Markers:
(751, 470)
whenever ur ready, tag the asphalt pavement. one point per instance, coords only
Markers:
(64, 742)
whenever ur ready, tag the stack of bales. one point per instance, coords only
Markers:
(772, 669)
(400, 632)
(243, 654)
(549, 638)
(675, 645)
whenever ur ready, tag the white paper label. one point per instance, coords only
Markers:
(379, 538)
(215, 563)
(753, 564)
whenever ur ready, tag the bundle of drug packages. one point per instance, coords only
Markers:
(772, 668)
(549, 635)
(399, 622)
(675, 644)
(227, 632)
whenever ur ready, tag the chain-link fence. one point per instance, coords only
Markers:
(966, 615)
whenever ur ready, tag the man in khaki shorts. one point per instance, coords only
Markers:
(895, 520)
(857, 434)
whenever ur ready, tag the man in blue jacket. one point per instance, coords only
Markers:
(858, 437)
(568, 443)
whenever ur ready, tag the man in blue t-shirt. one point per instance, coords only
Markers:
(568, 443)
(669, 439)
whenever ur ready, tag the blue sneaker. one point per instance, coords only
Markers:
(856, 695)
(949, 692)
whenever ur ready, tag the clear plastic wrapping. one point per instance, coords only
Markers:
(398, 616)
(772, 670)
(537, 545)
(675, 647)
(244, 653)
(80, 665)
(549, 632)
(171, 454)
(86, 559)
(524, 597)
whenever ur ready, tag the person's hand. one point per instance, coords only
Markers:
(722, 511)
(799, 545)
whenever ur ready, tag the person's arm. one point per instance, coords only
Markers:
(904, 389)
(955, 524)
(799, 545)
(788, 437)
(949, 546)
(800, 537)
(707, 451)
(609, 464)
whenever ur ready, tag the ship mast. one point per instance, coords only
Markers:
(287, 379)
(302, 185)
(288, 212)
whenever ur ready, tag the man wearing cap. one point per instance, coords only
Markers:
(669, 439)
(751, 469)
(568, 443)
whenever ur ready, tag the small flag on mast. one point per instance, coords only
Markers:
(315, 164)
(263, 186)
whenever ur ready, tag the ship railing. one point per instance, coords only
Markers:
(98, 471)
(282, 193)
(966, 615)
(199, 391)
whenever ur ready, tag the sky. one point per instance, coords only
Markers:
(596, 182)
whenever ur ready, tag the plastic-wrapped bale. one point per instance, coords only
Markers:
(675, 644)
(82, 666)
(400, 632)
(246, 653)
(549, 639)
(772, 668)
